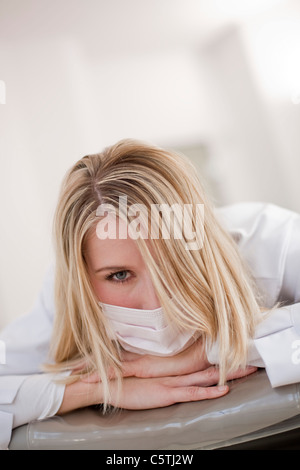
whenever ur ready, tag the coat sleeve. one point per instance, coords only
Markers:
(278, 337)
(25, 392)
(269, 240)
(27, 398)
(27, 339)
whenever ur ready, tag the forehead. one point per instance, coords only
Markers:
(116, 248)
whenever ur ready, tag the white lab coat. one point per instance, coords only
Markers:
(269, 240)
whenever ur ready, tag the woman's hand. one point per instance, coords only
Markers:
(146, 393)
(189, 361)
(142, 394)
(192, 359)
(154, 382)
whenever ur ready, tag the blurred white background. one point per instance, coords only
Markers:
(218, 79)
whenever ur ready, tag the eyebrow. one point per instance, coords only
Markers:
(112, 268)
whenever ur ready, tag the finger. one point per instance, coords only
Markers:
(128, 356)
(193, 393)
(203, 378)
(129, 369)
(211, 375)
(207, 377)
(241, 373)
(140, 367)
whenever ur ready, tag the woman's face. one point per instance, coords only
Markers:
(118, 273)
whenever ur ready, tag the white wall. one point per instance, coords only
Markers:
(174, 75)
(241, 139)
(61, 105)
(272, 44)
(40, 136)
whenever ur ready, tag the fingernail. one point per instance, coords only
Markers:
(222, 388)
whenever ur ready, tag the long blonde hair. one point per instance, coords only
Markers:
(211, 288)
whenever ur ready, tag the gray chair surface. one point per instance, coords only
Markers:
(252, 409)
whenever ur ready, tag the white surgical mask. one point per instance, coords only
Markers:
(146, 331)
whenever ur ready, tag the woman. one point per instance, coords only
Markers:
(149, 315)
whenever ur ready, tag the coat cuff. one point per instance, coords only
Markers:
(281, 355)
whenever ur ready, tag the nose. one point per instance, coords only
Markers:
(149, 299)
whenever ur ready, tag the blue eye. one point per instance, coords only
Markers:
(119, 277)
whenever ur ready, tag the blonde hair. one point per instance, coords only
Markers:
(211, 289)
